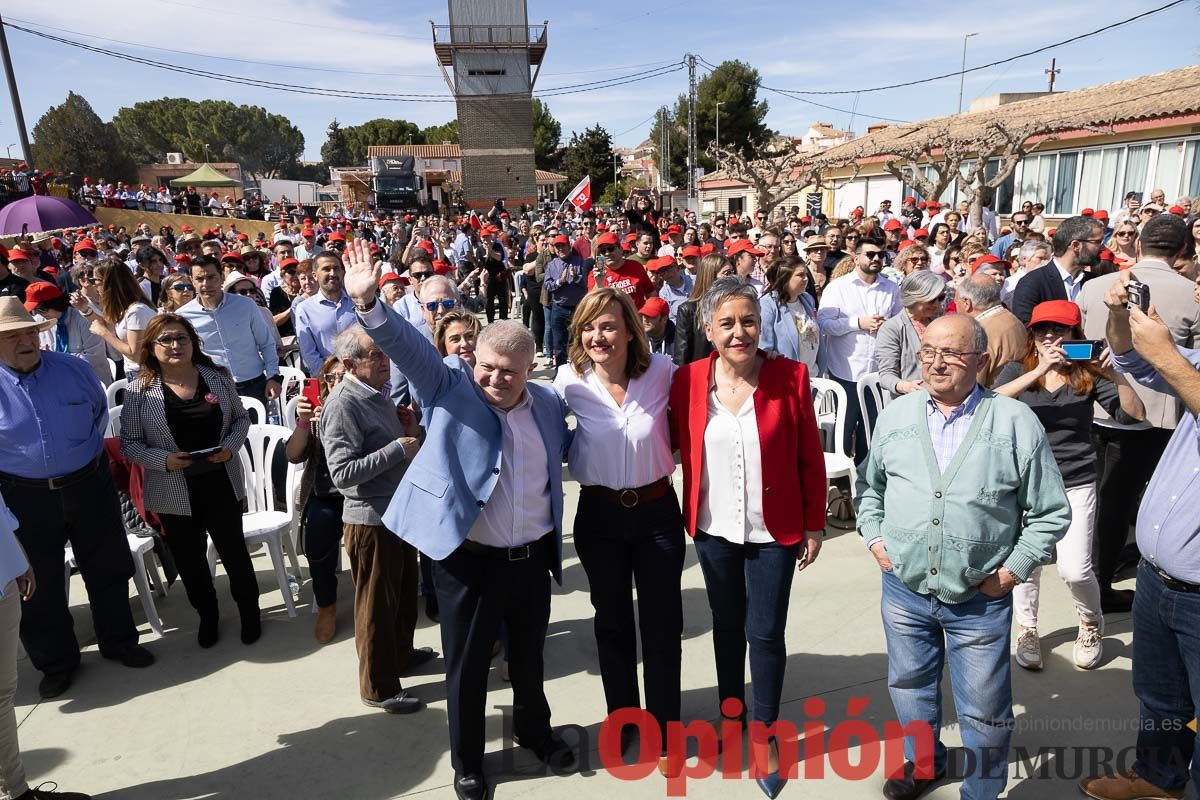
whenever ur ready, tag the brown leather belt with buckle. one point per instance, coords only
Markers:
(629, 498)
(60, 482)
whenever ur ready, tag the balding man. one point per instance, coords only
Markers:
(979, 296)
(936, 455)
(485, 492)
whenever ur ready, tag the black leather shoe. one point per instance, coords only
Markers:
(1116, 601)
(134, 656)
(55, 683)
(41, 792)
(470, 787)
(909, 787)
(552, 751)
(403, 703)
(251, 626)
(420, 655)
(209, 631)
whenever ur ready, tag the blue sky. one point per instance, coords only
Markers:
(793, 48)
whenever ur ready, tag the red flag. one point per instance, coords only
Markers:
(581, 195)
(474, 220)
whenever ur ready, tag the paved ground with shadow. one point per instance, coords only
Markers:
(282, 719)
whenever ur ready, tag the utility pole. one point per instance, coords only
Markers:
(691, 159)
(718, 136)
(1052, 73)
(18, 116)
(962, 74)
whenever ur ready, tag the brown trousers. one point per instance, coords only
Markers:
(385, 575)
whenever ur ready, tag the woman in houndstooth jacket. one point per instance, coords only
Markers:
(183, 422)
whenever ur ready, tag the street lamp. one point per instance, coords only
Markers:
(9, 149)
(206, 153)
(963, 71)
(718, 136)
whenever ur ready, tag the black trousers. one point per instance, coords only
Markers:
(497, 294)
(537, 321)
(322, 538)
(217, 512)
(256, 388)
(476, 594)
(1125, 460)
(619, 547)
(88, 515)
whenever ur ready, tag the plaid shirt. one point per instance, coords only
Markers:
(948, 433)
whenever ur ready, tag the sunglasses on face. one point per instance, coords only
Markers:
(446, 305)
(607, 251)
(248, 291)
(876, 255)
(333, 377)
(183, 287)
(1125, 233)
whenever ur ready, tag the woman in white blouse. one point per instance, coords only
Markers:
(126, 312)
(789, 315)
(628, 527)
(754, 499)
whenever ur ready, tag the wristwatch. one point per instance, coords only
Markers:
(367, 308)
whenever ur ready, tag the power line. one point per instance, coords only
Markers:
(307, 25)
(956, 72)
(635, 127)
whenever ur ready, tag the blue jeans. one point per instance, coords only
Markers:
(560, 321)
(748, 590)
(1166, 680)
(924, 633)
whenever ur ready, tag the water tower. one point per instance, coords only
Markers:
(495, 55)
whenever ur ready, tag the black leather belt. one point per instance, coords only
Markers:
(60, 482)
(629, 498)
(519, 553)
(1174, 583)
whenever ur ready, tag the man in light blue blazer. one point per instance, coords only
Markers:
(484, 498)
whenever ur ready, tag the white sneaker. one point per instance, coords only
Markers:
(1029, 649)
(1089, 645)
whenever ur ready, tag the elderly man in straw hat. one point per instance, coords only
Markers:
(54, 475)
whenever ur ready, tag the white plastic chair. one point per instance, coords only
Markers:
(830, 396)
(292, 380)
(114, 422)
(293, 360)
(254, 407)
(145, 576)
(262, 523)
(112, 368)
(110, 394)
(868, 385)
(289, 413)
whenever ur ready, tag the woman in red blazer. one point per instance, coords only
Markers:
(754, 493)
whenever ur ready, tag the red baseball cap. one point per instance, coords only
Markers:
(1087, 212)
(893, 225)
(1102, 214)
(442, 267)
(654, 307)
(232, 256)
(426, 246)
(985, 259)
(1177, 211)
(655, 264)
(909, 200)
(1064, 312)
(288, 262)
(674, 229)
(387, 277)
(904, 245)
(40, 292)
(920, 233)
(17, 254)
(336, 236)
(607, 239)
(561, 239)
(692, 251)
(706, 249)
(84, 244)
(742, 246)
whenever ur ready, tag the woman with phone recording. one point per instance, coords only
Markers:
(184, 423)
(321, 503)
(1060, 378)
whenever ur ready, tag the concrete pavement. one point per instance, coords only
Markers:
(282, 718)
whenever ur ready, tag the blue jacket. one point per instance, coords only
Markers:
(456, 469)
(778, 330)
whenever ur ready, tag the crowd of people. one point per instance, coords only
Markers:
(1029, 397)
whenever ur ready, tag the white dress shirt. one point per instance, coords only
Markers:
(1071, 283)
(731, 475)
(518, 512)
(851, 350)
(625, 446)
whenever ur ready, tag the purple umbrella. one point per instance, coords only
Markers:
(43, 213)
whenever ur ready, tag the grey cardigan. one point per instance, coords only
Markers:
(146, 439)
(361, 433)
(896, 347)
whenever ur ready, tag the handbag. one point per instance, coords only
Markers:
(839, 509)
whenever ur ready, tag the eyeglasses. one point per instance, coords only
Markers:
(183, 287)
(249, 290)
(874, 255)
(1042, 328)
(86, 280)
(172, 341)
(420, 276)
(446, 305)
(1020, 222)
(956, 357)
(1125, 234)
(607, 250)
(333, 377)
(919, 260)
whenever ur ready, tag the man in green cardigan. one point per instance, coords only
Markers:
(958, 501)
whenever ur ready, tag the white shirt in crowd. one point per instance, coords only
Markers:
(851, 350)
(625, 446)
(731, 475)
(518, 512)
